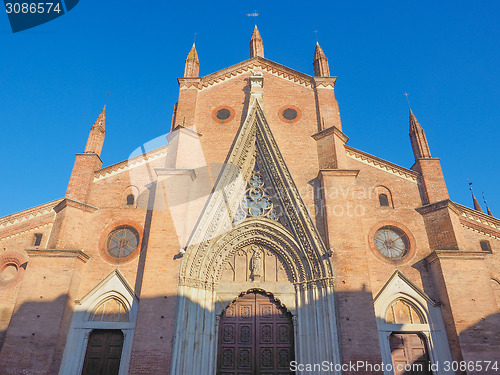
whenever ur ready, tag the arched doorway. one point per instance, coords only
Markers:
(255, 337)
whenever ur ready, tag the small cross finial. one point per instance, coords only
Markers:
(194, 39)
(107, 96)
(254, 15)
(316, 34)
(407, 100)
(470, 184)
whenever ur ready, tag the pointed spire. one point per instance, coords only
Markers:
(476, 204)
(487, 208)
(320, 63)
(418, 139)
(101, 119)
(192, 66)
(256, 44)
(95, 140)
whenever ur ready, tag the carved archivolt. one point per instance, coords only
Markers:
(292, 236)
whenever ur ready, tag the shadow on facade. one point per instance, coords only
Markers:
(36, 337)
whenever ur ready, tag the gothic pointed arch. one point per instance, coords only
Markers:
(255, 151)
(405, 313)
(110, 305)
(255, 211)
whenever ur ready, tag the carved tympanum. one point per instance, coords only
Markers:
(254, 263)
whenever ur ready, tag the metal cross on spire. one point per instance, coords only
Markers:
(487, 208)
(316, 33)
(254, 15)
(407, 100)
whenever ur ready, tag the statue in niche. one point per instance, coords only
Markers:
(256, 263)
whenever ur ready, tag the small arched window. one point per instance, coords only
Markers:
(130, 200)
(110, 310)
(485, 246)
(403, 312)
(384, 200)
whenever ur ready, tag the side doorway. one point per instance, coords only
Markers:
(104, 351)
(409, 354)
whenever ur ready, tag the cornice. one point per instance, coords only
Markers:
(14, 232)
(331, 130)
(128, 164)
(478, 218)
(325, 82)
(29, 214)
(67, 202)
(89, 154)
(176, 172)
(184, 129)
(339, 172)
(455, 254)
(423, 210)
(381, 164)
(264, 65)
(59, 253)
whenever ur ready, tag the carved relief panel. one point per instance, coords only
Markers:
(254, 263)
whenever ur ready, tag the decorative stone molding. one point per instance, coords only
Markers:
(128, 164)
(296, 240)
(381, 164)
(59, 253)
(11, 233)
(113, 286)
(67, 202)
(455, 254)
(247, 66)
(331, 130)
(218, 239)
(31, 213)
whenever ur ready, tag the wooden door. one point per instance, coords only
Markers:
(255, 337)
(409, 349)
(104, 351)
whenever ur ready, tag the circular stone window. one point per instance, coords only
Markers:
(8, 272)
(289, 113)
(11, 270)
(122, 242)
(222, 114)
(391, 242)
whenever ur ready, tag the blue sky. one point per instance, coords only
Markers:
(445, 54)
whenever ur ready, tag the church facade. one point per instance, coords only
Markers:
(256, 242)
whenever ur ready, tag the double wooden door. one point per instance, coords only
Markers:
(255, 337)
(104, 351)
(409, 354)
